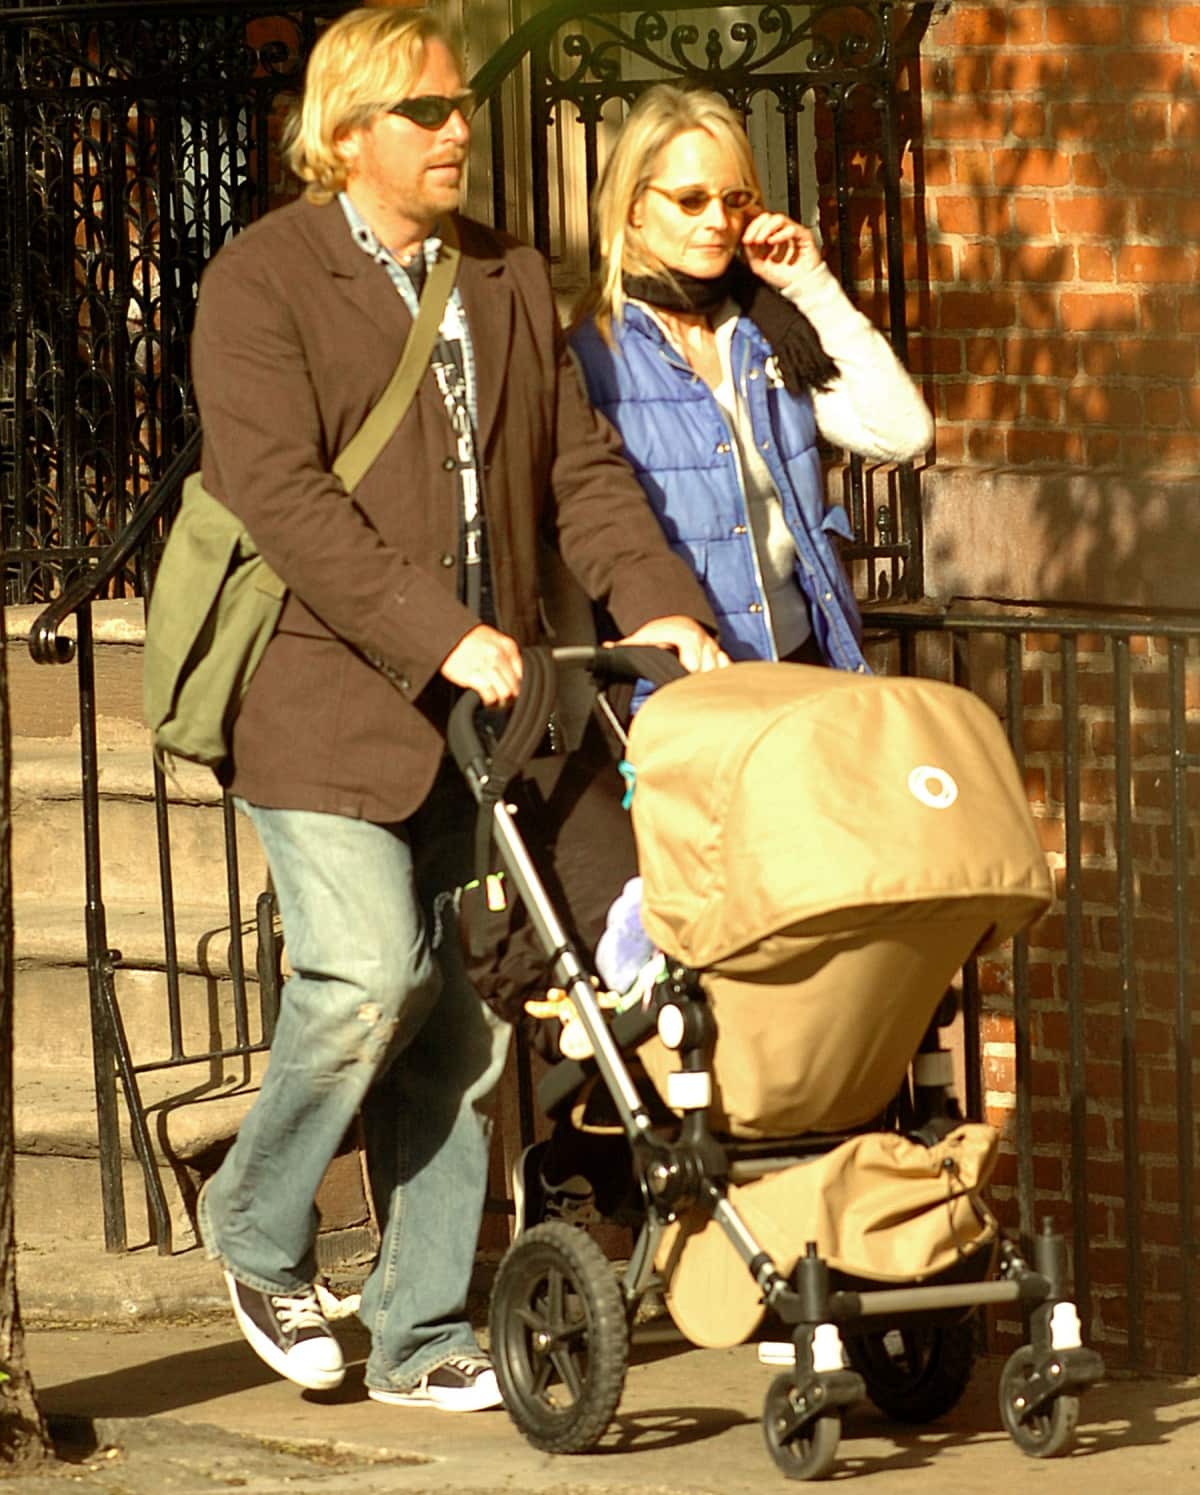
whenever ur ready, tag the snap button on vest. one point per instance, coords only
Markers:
(449, 463)
(447, 559)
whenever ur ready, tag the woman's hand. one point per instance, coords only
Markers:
(696, 647)
(778, 249)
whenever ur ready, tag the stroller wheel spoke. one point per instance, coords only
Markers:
(568, 1372)
(554, 1300)
(533, 1319)
(544, 1375)
(917, 1352)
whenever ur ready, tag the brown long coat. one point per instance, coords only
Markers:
(297, 333)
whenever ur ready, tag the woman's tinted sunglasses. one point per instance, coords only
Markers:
(694, 200)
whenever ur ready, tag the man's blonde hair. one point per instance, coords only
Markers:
(364, 60)
(662, 113)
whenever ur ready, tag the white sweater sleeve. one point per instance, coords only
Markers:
(872, 407)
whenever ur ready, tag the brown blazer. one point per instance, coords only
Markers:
(297, 333)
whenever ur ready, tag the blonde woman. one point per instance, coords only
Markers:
(719, 344)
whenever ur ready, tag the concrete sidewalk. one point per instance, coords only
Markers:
(186, 1407)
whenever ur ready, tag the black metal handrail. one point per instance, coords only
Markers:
(46, 643)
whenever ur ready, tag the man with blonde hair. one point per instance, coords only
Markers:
(420, 581)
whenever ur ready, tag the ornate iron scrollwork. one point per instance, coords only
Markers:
(856, 43)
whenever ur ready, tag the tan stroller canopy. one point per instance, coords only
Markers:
(772, 798)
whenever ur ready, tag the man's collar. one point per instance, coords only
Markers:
(368, 241)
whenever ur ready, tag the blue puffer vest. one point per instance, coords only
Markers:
(680, 447)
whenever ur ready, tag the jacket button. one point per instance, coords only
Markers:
(722, 446)
(754, 373)
(449, 464)
(404, 682)
(447, 559)
(756, 607)
(765, 445)
(828, 596)
(738, 529)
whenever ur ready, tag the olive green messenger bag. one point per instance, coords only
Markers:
(216, 602)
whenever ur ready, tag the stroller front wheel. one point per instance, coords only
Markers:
(559, 1337)
(805, 1450)
(1045, 1432)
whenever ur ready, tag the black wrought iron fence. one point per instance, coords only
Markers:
(136, 138)
(1082, 1043)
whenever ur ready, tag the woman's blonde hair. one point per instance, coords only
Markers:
(662, 113)
(364, 60)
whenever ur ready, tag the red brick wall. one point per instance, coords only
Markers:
(1055, 222)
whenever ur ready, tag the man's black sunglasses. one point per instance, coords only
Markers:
(432, 110)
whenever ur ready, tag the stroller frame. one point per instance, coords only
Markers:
(579, 1340)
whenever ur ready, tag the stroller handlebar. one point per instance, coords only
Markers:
(532, 708)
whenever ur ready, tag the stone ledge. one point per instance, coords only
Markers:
(113, 622)
(53, 934)
(1106, 538)
(190, 1109)
(49, 768)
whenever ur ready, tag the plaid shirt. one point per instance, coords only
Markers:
(453, 366)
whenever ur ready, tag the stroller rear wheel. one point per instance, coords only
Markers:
(807, 1451)
(559, 1338)
(916, 1374)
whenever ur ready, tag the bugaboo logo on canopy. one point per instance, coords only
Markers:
(933, 787)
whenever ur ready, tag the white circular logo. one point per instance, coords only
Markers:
(933, 787)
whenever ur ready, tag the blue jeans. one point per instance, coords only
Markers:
(378, 1015)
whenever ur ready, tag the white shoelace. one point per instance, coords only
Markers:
(300, 1312)
(470, 1365)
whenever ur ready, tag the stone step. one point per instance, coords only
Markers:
(47, 838)
(44, 698)
(59, 1198)
(52, 1015)
(190, 1110)
(52, 934)
(193, 1113)
(57, 1183)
